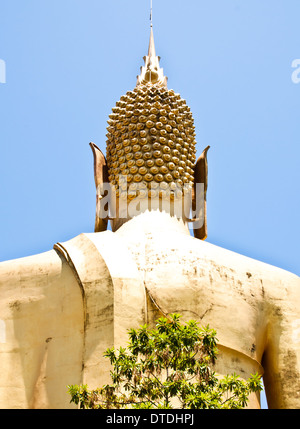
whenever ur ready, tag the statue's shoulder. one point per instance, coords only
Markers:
(87, 254)
(277, 281)
(92, 254)
(47, 266)
(46, 263)
(30, 266)
(181, 250)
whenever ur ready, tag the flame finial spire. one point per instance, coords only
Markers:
(151, 24)
(151, 72)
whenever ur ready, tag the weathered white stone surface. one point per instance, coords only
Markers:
(62, 309)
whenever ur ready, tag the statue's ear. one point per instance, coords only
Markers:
(101, 177)
(199, 192)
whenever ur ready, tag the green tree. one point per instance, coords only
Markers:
(169, 366)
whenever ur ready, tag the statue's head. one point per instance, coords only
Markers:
(151, 149)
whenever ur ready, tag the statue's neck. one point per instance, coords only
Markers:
(153, 222)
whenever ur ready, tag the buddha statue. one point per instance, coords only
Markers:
(60, 310)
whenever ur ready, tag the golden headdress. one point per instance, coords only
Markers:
(151, 142)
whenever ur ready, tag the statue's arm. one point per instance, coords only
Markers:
(281, 360)
(41, 317)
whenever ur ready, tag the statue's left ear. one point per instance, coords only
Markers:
(200, 176)
(100, 176)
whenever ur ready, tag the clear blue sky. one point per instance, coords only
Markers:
(69, 61)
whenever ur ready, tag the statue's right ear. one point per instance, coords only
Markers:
(200, 177)
(100, 176)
